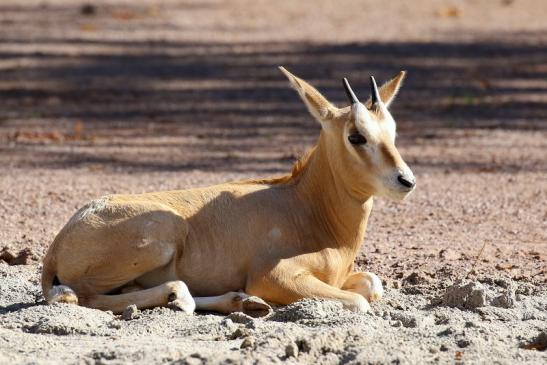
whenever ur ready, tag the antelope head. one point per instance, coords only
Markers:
(360, 139)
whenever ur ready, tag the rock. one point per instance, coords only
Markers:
(502, 283)
(446, 332)
(469, 296)
(229, 324)
(443, 348)
(304, 345)
(539, 343)
(505, 300)
(131, 312)
(463, 343)
(291, 350)
(416, 278)
(248, 343)
(241, 333)
(442, 318)
(23, 257)
(526, 289)
(240, 317)
(88, 9)
(407, 320)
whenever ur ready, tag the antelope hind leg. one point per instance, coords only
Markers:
(172, 294)
(234, 302)
(365, 283)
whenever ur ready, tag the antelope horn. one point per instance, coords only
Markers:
(375, 94)
(351, 95)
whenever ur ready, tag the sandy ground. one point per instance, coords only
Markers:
(117, 97)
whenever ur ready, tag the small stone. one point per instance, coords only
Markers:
(248, 343)
(502, 283)
(470, 296)
(229, 324)
(538, 344)
(406, 319)
(240, 317)
(470, 324)
(131, 312)
(23, 257)
(193, 359)
(463, 343)
(87, 9)
(526, 289)
(114, 325)
(442, 318)
(443, 348)
(291, 350)
(446, 332)
(416, 278)
(304, 345)
(396, 284)
(241, 333)
(396, 323)
(505, 300)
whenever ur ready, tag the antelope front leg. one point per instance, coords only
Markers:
(286, 289)
(365, 283)
(234, 302)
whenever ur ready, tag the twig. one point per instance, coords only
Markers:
(476, 260)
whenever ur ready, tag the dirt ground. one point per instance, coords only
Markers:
(107, 97)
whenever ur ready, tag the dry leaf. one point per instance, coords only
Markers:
(78, 130)
(449, 12)
(88, 27)
(124, 15)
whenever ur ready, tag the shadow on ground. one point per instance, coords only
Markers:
(191, 105)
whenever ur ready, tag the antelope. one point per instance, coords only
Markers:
(241, 246)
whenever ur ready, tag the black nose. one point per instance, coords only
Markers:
(405, 182)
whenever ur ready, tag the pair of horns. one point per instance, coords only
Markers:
(375, 94)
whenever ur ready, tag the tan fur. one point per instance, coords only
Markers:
(280, 239)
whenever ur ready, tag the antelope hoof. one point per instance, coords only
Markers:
(182, 305)
(255, 307)
(374, 286)
(251, 305)
(361, 305)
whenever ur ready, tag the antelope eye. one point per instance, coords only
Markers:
(356, 138)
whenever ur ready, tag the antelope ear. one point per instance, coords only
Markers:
(317, 104)
(389, 90)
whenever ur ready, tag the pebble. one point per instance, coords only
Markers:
(240, 317)
(406, 319)
(416, 278)
(248, 343)
(463, 343)
(505, 300)
(131, 312)
(291, 350)
(229, 324)
(241, 333)
(472, 295)
(443, 348)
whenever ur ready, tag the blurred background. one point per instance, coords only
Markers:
(102, 97)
